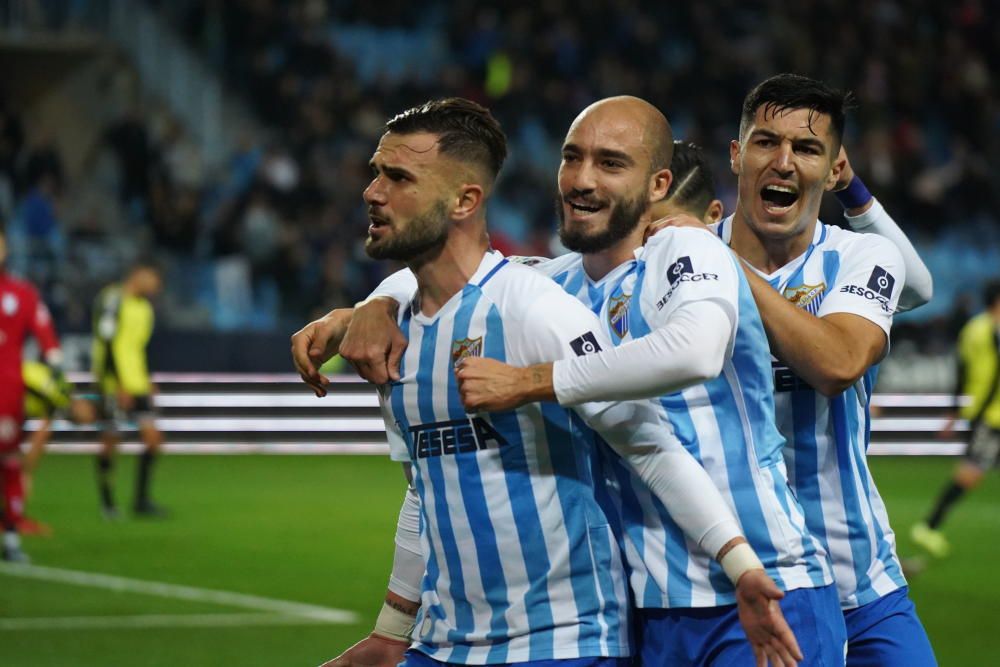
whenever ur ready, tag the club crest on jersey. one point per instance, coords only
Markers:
(466, 347)
(618, 314)
(9, 304)
(806, 297)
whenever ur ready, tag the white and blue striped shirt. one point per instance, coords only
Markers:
(727, 423)
(521, 561)
(827, 438)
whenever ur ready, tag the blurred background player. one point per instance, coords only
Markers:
(47, 395)
(123, 325)
(21, 312)
(978, 378)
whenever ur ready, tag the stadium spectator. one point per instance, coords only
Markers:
(123, 324)
(979, 379)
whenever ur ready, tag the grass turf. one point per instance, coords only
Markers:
(318, 530)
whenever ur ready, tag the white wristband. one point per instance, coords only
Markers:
(739, 560)
(394, 624)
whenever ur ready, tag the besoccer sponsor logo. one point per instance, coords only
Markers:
(879, 288)
(466, 347)
(881, 282)
(618, 314)
(682, 271)
(585, 344)
(454, 437)
(679, 268)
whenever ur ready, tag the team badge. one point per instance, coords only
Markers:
(618, 314)
(9, 304)
(806, 297)
(466, 347)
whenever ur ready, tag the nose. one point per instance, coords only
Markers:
(783, 159)
(373, 194)
(581, 176)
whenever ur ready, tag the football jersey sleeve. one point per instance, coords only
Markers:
(558, 326)
(398, 450)
(869, 281)
(685, 265)
(401, 286)
(919, 286)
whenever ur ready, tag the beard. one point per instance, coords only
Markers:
(422, 235)
(623, 220)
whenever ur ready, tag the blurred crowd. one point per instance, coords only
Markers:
(283, 218)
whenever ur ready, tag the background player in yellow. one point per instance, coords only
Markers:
(978, 378)
(123, 325)
(47, 395)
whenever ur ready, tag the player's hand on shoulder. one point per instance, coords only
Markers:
(372, 651)
(672, 220)
(317, 342)
(771, 638)
(373, 342)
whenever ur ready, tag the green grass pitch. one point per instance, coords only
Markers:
(318, 530)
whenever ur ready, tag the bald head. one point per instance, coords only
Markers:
(635, 117)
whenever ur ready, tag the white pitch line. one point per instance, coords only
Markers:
(140, 621)
(121, 584)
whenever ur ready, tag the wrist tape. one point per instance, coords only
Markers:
(739, 560)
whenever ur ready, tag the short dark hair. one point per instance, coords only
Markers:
(467, 131)
(693, 187)
(991, 293)
(793, 91)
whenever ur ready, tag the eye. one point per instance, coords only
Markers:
(569, 157)
(764, 142)
(612, 164)
(807, 149)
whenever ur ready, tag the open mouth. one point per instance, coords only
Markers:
(779, 196)
(583, 206)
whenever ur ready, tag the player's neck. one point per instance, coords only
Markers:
(599, 264)
(443, 273)
(764, 253)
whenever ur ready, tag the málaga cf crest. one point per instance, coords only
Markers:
(618, 314)
(466, 347)
(806, 297)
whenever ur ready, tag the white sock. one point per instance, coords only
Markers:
(11, 540)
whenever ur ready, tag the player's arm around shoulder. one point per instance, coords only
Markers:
(542, 324)
(849, 333)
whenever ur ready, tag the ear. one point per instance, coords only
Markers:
(835, 170)
(469, 201)
(734, 156)
(659, 185)
(715, 212)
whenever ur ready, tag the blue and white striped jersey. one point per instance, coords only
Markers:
(727, 423)
(827, 438)
(521, 561)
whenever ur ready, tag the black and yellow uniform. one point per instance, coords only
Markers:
(979, 378)
(123, 325)
(45, 394)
